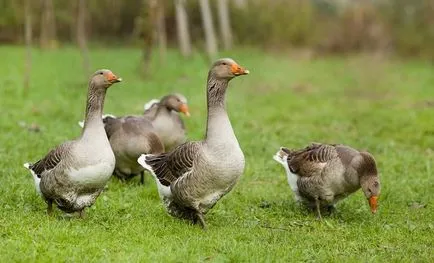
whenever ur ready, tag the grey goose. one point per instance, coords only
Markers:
(73, 174)
(320, 175)
(165, 118)
(195, 175)
(129, 137)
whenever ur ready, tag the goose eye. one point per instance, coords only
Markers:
(224, 63)
(101, 73)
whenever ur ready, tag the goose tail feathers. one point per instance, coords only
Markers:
(36, 179)
(281, 156)
(147, 161)
(143, 162)
(150, 103)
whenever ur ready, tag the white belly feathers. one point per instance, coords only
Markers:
(92, 175)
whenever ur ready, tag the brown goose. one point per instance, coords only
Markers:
(73, 174)
(195, 175)
(129, 137)
(166, 120)
(320, 175)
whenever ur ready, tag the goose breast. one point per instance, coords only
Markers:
(93, 169)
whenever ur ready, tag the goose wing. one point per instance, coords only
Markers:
(170, 166)
(51, 160)
(312, 159)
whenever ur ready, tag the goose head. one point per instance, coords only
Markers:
(227, 68)
(104, 78)
(176, 102)
(369, 180)
(371, 188)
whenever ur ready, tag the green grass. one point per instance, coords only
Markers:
(386, 107)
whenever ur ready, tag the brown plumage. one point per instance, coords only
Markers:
(195, 175)
(322, 174)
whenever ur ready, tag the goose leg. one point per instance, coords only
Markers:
(331, 208)
(81, 214)
(142, 177)
(201, 220)
(50, 207)
(318, 210)
(120, 176)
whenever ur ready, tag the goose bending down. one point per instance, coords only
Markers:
(73, 174)
(165, 118)
(195, 175)
(322, 174)
(129, 137)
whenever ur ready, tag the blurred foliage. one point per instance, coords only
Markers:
(406, 27)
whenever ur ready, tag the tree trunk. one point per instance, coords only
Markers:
(28, 39)
(48, 38)
(182, 28)
(225, 23)
(241, 4)
(73, 23)
(148, 32)
(161, 30)
(81, 35)
(210, 39)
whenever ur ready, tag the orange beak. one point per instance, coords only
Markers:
(184, 109)
(237, 70)
(373, 203)
(112, 78)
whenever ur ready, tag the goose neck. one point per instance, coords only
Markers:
(218, 123)
(94, 107)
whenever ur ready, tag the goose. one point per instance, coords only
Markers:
(104, 116)
(195, 175)
(166, 120)
(129, 137)
(320, 175)
(73, 174)
(163, 114)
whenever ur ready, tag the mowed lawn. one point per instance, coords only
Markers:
(383, 106)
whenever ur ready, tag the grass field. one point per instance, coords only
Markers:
(384, 106)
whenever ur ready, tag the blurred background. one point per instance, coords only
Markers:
(310, 27)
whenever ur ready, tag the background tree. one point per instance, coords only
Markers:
(28, 39)
(81, 35)
(242, 4)
(149, 31)
(400, 26)
(225, 24)
(182, 28)
(208, 26)
(48, 38)
(161, 29)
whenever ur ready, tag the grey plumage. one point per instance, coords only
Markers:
(73, 174)
(164, 116)
(195, 175)
(129, 137)
(172, 165)
(323, 174)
